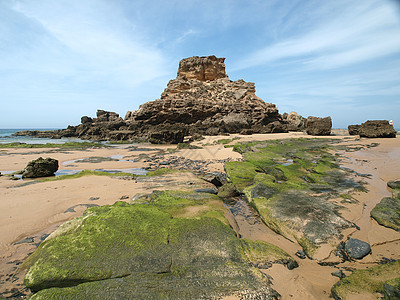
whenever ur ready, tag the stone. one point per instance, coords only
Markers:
(392, 288)
(216, 178)
(354, 129)
(377, 129)
(295, 122)
(318, 126)
(204, 68)
(394, 184)
(300, 254)
(40, 168)
(86, 119)
(201, 100)
(146, 251)
(396, 193)
(339, 274)
(387, 213)
(357, 249)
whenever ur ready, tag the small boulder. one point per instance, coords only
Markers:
(354, 129)
(357, 249)
(318, 126)
(377, 129)
(40, 168)
(295, 122)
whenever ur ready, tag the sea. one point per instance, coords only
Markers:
(6, 137)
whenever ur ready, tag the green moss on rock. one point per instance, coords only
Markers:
(282, 179)
(371, 280)
(140, 251)
(387, 213)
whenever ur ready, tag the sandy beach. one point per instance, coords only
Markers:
(31, 210)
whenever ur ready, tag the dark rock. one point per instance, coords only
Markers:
(209, 191)
(377, 129)
(318, 126)
(354, 129)
(301, 254)
(86, 119)
(216, 178)
(40, 168)
(394, 184)
(357, 249)
(167, 136)
(387, 213)
(339, 274)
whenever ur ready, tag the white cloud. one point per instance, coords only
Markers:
(359, 33)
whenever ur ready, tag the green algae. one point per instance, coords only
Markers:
(137, 251)
(387, 213)
(371, 280)
(86, 173)
(164, 171)
(289, 182)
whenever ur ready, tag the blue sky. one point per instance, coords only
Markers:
(63, 59)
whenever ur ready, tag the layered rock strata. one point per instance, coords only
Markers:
(201, 100)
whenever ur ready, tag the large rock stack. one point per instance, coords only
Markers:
(201, 100)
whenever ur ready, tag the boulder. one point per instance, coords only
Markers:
(387, 213)
(295, 122)
(318, 126)
(377, 129)
(40, 168)
(354, 129)
(357, 249)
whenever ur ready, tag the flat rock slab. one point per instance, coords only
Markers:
(394, 184)
(140, 251)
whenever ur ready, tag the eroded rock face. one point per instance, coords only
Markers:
(40, 168)
(201, 100)
(202, 68)
(354, 129)
(295, 122)
(318, 126)
(377, 129)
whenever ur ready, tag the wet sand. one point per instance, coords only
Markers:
(34, 210)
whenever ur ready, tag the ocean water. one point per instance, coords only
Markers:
(6, 137)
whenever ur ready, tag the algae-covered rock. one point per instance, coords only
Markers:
(170, 244)
(40, 168)
(290, 183)
(387, 213)
(392, 288)
(369, 281)
(394, 184)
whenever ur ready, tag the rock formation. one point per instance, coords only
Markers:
(201, 100)
(318, 126)
(377, 129)
(354, 129)
(40, 168)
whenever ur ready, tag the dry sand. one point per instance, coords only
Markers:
(37, 209)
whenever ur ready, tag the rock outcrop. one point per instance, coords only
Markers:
(40, 168)
(201, 100)
(318, 126)
(354, 129)
(377, 129)
(294, 121)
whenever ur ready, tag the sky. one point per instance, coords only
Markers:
(60, 60)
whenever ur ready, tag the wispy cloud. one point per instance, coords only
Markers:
(363, 31)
